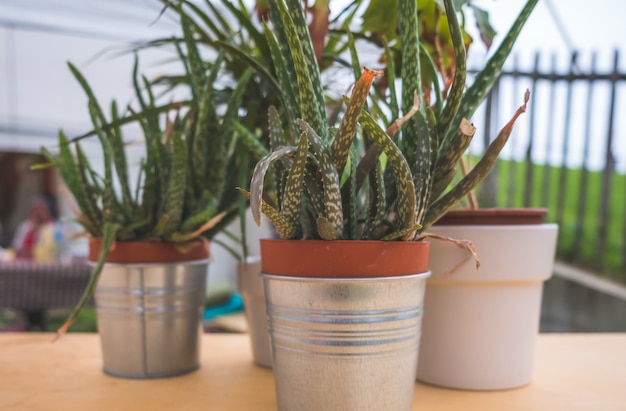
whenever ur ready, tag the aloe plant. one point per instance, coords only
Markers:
(184, 191)
(328, 183)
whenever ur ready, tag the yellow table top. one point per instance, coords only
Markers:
(572, 372)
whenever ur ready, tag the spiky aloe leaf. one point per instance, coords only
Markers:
(207, 225)
(119, 157)
(354, 56)
(313, 190)
(277, 140)
(447, 161)
(217, 144)
(351, 229)
(292, 196)
(175, 193)
(487, 77)
(422, 171)
(108, 236)
(330, 226)
(205, 131)
(458, 85)
(283, 228)
(390, 73)
(70, 173)
(406, 203)
(410, 73)
(277, 137)
(432, 73)
(477, 174)
(250, 141)
(291, 97)
(92, 193)
(192, 222)
(88, 91)
(108, 194)
(197, 75)
(246, 22)
(379, 203)
(342, 142)
(258, 177)
(312, 107)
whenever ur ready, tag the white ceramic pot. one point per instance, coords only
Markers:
(479, 326)
(251, 288)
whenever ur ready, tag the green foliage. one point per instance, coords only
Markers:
(185, 188)
(373, 187)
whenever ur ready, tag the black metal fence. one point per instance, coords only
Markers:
(567, 155)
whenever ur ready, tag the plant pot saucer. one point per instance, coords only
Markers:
(494, 216)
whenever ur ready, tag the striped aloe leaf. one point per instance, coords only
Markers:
(108, 194)
(487, 77)
(119, 156)
(378, 202)
(351, 228)
(448, 159)
(71, 175)
(455, 94)
(410, 72)
(332, 222)
(312, 106)
(205, 127)
(258, 177)
(294, 185)
(291, 97)
(406, 202)
(217, 144)
(477, 174)
(197, 75)
(342, 141)
(175, 192)
(108, 237)
(250, 141)
(285, 230)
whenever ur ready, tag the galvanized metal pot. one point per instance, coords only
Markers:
(344, 343)
(150, 314)
(250, 286)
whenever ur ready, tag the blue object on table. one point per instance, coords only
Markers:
(234, 304)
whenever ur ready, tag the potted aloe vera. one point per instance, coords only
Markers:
(344, 284)
(148, 241)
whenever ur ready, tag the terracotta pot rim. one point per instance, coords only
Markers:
(493, 216)
(343, 259)
(149, 253)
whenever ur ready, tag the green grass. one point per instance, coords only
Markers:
(579, 238)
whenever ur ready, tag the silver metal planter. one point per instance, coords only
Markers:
(250, 286)
(345, 344)
(149, 318)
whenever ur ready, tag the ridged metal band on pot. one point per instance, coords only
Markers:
(345, 343)
(149, 318)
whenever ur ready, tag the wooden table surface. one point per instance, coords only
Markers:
(572, 372)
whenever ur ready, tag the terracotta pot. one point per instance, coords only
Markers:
(343, 258)
(480, 325)
(136, 252)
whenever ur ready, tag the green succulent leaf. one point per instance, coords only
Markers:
(332, 222)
